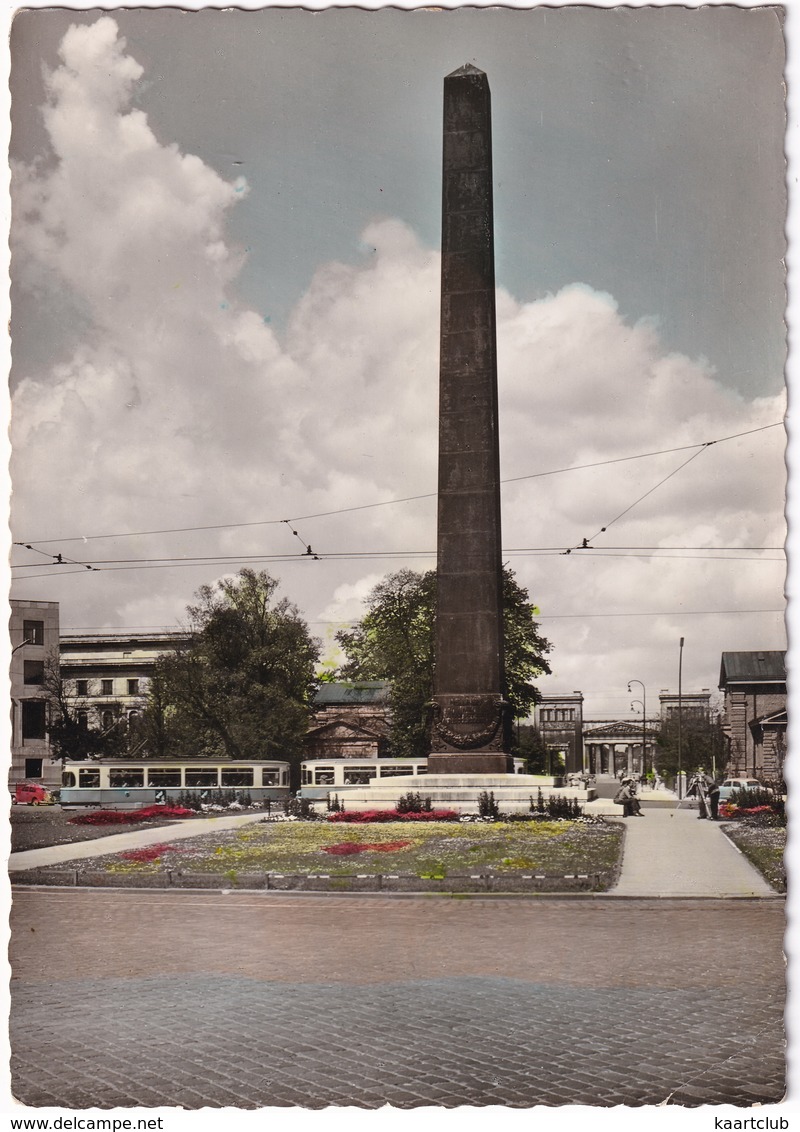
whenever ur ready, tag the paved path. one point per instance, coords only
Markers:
(117, 842)
(670, 852)
(134, 998)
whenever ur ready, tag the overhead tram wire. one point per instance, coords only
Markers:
(391, 502)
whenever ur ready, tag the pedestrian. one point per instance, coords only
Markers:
(623, 798)
(697, 789)
(713, 800)
(634, 806)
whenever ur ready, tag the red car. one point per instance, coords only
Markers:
(32, 794)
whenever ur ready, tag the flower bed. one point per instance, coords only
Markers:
(346, 848)
(362, 816)
(149, 853)
(129, 817)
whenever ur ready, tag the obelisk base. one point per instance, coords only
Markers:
(470, 762)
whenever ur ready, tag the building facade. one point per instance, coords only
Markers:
(615, 746)
(350, 721)
(754, 720)
(107, 675)
(691, 705)
(559, 719)
(33, 627)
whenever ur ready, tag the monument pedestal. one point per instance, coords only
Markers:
(470, 762)
(459, 792)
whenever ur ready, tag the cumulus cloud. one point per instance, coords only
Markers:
(182, 408)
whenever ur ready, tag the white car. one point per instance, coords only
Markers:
(731, 784)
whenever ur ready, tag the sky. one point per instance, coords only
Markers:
(225, 304)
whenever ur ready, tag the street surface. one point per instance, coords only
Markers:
(143, 998)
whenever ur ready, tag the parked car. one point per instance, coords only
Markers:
(31, 794)
(731, 784)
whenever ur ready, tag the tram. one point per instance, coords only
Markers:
(126, 783)
(321, 777)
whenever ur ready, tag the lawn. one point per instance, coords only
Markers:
(437, 850)
(763, 845)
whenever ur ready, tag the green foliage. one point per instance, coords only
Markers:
(70, 736)
(531, 747)
(702, 746)
(487, 805)
(413, 803)
(395, 641)
(242, 687)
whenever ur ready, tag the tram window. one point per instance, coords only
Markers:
(201, 776)
(88, 777)
(324, 776)
(163, 776)
(284, 778)
(67, 778)
(237, 776)
(126, 776)
(421, 769)
(305, 777)
(269, 777)
(391, 771)
(359, 777)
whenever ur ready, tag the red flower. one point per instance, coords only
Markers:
(346, 848)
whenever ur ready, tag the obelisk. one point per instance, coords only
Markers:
(469, 724)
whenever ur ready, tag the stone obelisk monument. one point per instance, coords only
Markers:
(469, 727)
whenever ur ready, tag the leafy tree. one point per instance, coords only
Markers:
(71, 737)
(395, 641)
(702, 745)
(242, 686)
(531, 747)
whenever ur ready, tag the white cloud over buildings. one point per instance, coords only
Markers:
(182, 408)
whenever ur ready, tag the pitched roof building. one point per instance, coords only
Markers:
(754, 723)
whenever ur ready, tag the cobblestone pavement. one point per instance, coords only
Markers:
(244, 1000)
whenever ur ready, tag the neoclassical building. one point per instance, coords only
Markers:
(612, 746)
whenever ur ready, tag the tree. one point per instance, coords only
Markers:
(71, 736)
(395, 641)
(702, 745)
(242, 687)
(531, 747)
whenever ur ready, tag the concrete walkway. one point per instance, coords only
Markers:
(670, 852)
(134, 839)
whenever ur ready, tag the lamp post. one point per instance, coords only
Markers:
(680, 720)
(644, 722)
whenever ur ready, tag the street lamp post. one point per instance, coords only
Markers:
(680, 721)
(644, 723)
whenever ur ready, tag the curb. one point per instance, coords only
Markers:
(480, 884)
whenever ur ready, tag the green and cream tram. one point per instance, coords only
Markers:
(127, 783)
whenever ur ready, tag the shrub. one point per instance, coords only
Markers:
(412, 803)
(299, 808)
(487, 806)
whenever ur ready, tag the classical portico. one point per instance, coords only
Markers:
(615, 746)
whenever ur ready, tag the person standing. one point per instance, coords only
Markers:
(712, 795)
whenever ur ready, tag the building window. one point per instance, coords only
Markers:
(83, 720)
(106, 687)
(34, 723)
(33, 632)
(107, 720)
(33, 672)
(81, 687)
(133, 687)
(33, 768)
